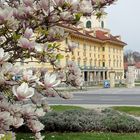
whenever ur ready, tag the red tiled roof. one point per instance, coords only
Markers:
(100, 35)
(106, 36)
(137, 65)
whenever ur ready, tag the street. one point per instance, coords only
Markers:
(115, 96)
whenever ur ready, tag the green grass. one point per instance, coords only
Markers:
(83, 136)
(60, 108)
(128, 109)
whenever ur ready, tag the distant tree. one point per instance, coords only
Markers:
(135, 54)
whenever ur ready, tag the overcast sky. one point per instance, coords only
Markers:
(124, 20)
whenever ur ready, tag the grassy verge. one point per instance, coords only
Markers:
(60, 108)
(128, 109)
(83, 136)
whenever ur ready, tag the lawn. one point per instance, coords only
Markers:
(128, 109)
(59, 108)
(83, 136)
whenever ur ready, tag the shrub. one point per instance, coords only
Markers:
(90, 120)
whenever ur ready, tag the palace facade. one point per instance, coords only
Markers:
(98, 52)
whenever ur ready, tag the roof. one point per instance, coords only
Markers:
(137, 65)
(97, 35)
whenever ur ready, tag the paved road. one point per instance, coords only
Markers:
(119, 96)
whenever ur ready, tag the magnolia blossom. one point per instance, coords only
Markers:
(4, 56)
(35, 125)
(50, 80)
(38, 48)
(86, 7)
(39, 112)
(59, 2)
(44, 4)
(72, 46)
(5, 121)
(66, 15)
(2, 78)
(5, 14)
(23, 91)
(6, 67)
(56, 33)
(17, 122)
(28, 33)
(74, 74)
(38, 136)
(28, 3)
(25, 43)
(28, 75)
(65, 95)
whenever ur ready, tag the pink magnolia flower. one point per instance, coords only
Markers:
(28, 3)
(28, 76)
(65, 95)
(86, 7)
(25, 43)
(59, 2)
(6, 67)
(50, 80)
(23, 91)
(72, 46)
(17, 122)
(35, 125)
(38, 136)
(28, 33)
(66, 15)
(4, 56)
(5, 14)
(44, 4)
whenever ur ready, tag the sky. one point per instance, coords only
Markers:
(124, 20)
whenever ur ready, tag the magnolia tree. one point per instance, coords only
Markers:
(31, 29)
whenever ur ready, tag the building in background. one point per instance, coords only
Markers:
(98, 52)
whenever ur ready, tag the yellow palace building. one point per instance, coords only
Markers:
(98, 52)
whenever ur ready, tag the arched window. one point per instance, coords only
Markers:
(102, 24)
(88, 24)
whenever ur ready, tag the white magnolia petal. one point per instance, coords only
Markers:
(23, 88)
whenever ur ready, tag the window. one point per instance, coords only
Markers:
(95, 63)
(103, 49)
(94, 48)
(109, 63)
(90, 54)
(103, 64)
(90, 63)
(88, 24)
(102, 24)
(84, 53)
(78, 53)
(85, 64)
(99, 63)
(84, 46)
(90, 48)
(109, 49)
